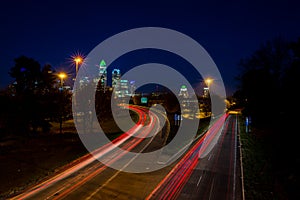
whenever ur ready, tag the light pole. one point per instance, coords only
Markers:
(62, 76)
(206, 89)
(77, 61)
(208, 82)
(207, 105)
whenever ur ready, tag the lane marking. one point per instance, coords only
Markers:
(211, 189)
(199, 180)
(209, 157)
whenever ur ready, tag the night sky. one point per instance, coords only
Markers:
(52, 31)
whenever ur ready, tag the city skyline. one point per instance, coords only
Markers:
(149, 99)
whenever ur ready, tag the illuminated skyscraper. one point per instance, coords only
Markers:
(123, 88)
(206, 92)
(183, 92)
(102, 74)
(115, 77)
(132, 88)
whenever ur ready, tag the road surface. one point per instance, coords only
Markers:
(194, 176)
(213, 176)
(86, 178)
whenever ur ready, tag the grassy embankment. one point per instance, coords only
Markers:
(259, 179)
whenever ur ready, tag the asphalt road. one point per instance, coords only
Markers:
(91, 179)
(194, 176)
(217, 175)
(209, 170)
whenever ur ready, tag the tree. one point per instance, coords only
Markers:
(261, 79)
(35, 99)
(290, 86)
(48, 79)
(27, 75)
(268, 92)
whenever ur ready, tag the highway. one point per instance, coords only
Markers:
(88, 176)
(214, 176)
(201, 173)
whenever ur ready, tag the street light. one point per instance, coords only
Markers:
(62, 76)
(206, 90)
(208, 82)
(77, 61)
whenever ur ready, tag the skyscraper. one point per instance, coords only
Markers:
(132, 88)
(183, 92)
(124, 88)
(115, 77)
(120, 86)
(206, 92)
(102, 74)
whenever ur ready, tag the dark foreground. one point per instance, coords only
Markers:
(25, 161)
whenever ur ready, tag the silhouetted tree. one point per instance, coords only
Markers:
(34, 97)
(269, 93)
(27, 75)
(261, 79)
(290, 85)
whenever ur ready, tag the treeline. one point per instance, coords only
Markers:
(269, 95)
(33, 100)
(268, 80)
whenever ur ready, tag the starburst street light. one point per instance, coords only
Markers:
(62, 76)
(208, 82)
(77, 60)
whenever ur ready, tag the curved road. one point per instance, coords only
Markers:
(84, 177)
(208, 170)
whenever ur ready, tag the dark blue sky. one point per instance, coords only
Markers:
(51, 31)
